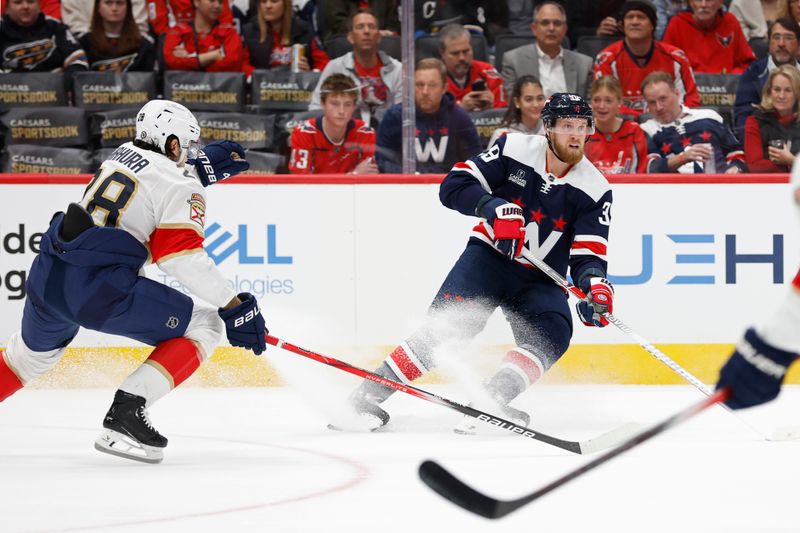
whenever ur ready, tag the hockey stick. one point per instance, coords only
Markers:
(641, 341)
(580, 447)
(461, 494)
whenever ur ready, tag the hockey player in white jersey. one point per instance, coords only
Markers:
(757, 368)
(535, 191)
(146, 203)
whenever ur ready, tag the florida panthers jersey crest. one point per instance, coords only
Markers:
(567, 217)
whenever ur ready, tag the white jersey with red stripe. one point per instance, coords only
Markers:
(567, 217)
(163, 206)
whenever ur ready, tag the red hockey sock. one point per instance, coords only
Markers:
(9, 382)
(176, 359)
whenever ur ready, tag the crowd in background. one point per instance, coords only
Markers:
(637, 61)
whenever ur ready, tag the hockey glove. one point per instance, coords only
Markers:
(599, 300)
(244, 325)
(219, 160)
(508, 225)
(754, 372)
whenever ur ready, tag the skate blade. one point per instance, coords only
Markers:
(115, 443)
(360, 423)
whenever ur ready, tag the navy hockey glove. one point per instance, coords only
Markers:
(508, 225)
(754, 372)
(599, 300)
(219, 160)
(244, 325)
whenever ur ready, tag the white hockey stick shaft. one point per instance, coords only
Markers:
(641, 341)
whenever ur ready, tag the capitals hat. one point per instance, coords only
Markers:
(645, 6)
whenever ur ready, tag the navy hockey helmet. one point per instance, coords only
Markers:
(566, 105)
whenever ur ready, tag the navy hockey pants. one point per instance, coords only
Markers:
(482, 280)
(93, 281)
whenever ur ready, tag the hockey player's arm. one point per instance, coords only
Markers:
(468, 182)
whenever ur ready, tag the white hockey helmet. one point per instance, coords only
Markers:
(157, 120)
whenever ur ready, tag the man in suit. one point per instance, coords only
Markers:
(559, 70)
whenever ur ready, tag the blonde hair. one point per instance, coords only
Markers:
(286, 24)
(793, 75)
(609, 83)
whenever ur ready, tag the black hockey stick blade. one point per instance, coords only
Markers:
(450, 487)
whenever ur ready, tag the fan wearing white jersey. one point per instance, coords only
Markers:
(145, 203)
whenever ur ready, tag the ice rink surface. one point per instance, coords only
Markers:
(262, 460)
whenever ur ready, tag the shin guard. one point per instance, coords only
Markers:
(176, 359)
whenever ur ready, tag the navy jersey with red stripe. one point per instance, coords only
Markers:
(567, 218)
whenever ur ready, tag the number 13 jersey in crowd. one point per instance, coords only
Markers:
(164, 207)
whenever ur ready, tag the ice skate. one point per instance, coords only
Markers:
(128, 433)
(469, 425)
(365, 415)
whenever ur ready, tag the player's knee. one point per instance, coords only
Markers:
(205, 330)
(28, 363)
(549, 339)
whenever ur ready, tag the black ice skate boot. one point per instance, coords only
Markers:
(127, 431)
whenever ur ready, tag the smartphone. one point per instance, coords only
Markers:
(478, 85)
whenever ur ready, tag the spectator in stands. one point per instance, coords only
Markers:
(206, 45)
(711, 37)
(378, 75)
(520, 16)
(524, 109)
(685, 140)
(592, 18)
(491, 17)
(557, 69)
(269, 36)
(772, 132)
(751, 17)
(445, 133)
(789, 8)
(474, 84)
(114, 41)
(617, 146)
(335, 15)
(31, 42)
(784, 44)
(166, 14)
(77, 15)
(335, 142)
(639, 54)
(665, 10)
(51, 8)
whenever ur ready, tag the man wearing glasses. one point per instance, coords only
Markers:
(559, 70)
(784, 41)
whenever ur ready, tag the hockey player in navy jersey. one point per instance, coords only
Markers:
(537, 192)
(145, 203)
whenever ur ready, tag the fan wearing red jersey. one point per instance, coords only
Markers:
(164, 14)
(334, 143)
(617, 146)
(638, 54)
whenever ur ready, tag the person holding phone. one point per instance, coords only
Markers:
(772, 132)
(474, 84)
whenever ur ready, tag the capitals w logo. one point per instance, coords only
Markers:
(533, 240)
(431, 151)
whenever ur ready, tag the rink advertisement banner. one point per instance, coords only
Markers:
(251, 131)
(113, 128)
(31, 89)
(486, 122)
(30, 158)
(54, 126)
(205, 91)
(283, 90)
(360, 263)
(97, 91)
